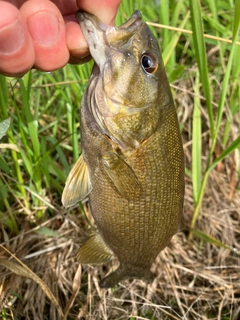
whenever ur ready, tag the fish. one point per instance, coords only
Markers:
(131, 167)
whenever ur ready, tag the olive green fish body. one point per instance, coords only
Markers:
(132, 150)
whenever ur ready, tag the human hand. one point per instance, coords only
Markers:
(45, 34)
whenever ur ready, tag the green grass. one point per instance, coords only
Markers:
(44, 108)
(42, 141)
(45, 131)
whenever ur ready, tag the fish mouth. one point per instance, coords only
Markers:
(88, 19)
(101, 37)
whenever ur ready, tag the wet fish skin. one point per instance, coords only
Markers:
(132, 164)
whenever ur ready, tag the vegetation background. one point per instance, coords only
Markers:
(198, 276)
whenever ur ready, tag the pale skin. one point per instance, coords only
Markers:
(44, 34)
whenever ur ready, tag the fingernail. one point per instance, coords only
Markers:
(44, 28)
(11, 38)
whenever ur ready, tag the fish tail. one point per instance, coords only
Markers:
(122, 274)
(113, 279)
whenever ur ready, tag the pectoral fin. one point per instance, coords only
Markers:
(122, 176)
(78, 184)
(95, 251)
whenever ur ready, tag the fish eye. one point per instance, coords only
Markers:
(149, 63)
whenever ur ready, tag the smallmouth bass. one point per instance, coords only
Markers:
(132, 165)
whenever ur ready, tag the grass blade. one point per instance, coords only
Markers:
(201, 57)
(22, 270)
(234, 145)
(4, 125)
(227, 74)
(209, 239)
(170, 47)
(196, 143)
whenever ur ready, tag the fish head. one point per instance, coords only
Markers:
(128, 58)
(131, 87)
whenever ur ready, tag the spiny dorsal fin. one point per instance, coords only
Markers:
(122, 176)
(78, 184)
(95, 251)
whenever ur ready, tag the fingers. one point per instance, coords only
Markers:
(106, 10)
(47, 30)
(16, 48)
(76, 42)
(35, 35)
(45, 33)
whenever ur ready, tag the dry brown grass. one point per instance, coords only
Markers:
(194, 279)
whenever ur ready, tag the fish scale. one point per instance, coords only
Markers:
(131, 166)
(116, 205)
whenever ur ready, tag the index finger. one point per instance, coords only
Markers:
(106, 11)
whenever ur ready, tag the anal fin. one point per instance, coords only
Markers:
(95, 251)
(78, 184)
